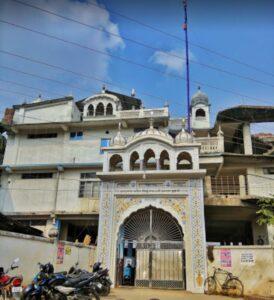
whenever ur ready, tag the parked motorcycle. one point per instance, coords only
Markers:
(10, 286)
(50, 285)
(81, 286)
(103, 281)
(38, 288)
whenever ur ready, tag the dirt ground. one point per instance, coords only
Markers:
(156, 294)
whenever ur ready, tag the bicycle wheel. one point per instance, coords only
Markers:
(235, 287)
(210, 286)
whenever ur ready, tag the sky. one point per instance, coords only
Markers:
(239, 29)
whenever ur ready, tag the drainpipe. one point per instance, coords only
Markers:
(59, 170)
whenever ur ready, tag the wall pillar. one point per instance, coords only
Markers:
(141, 164)
(158, 167)
(208, 187)
(242, 182)
(247, 139)
(270, 234)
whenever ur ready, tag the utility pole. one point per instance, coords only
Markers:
(187, 66)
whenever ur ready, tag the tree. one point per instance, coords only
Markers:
(266, 211)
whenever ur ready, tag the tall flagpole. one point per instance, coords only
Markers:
(187, 66)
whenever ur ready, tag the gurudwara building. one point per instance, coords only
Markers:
(150, 194)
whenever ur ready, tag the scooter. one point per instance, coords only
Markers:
(10, 286)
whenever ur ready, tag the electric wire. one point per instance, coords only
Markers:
(182, 40)
(29, 87)
(91, 77)
(83, 75)
(126, 60)
(216, 68)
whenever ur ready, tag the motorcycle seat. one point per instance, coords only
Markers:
(75, 280)
(61, 273)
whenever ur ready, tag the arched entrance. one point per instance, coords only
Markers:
(150, 250)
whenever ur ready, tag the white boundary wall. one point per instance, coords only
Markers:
(32, 249)
(254, 265)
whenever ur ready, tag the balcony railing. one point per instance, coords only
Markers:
(138, 113)
(143, 113)
(226, 185)
(211, 144)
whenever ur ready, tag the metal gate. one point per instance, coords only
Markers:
(160, 264)
(159, 248)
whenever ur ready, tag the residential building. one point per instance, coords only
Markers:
(137, 182)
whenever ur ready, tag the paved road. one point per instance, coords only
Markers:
(156, 294)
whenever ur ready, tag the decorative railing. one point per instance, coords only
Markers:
(138, 113)
(211, 144)
(144, 113)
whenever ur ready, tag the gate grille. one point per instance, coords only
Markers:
(158, 240)
(154, 224)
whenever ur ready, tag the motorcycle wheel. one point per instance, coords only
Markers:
(106, 291)
(58, 296)
(28, 297)
(94, 295)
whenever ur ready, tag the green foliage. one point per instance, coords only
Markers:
(266, 211)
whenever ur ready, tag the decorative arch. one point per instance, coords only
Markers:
(134, 161)
(200, 113)
(184, 161)
(100, 109)
(164, 160)
(146, 204)
(109, 109)
(116, 163)
(150, 160)
(90, 110)
(165, 227)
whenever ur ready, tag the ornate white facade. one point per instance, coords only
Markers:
(176, 189)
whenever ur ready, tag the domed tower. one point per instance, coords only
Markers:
(200, 118)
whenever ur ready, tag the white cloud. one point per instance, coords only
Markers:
(56, 52)
(173, 60)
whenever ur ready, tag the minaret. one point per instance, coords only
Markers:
(200, 110)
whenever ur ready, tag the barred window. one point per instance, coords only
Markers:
(88, 175)
(36, 175)
(42, 135)
(89, 188)
(76, 136)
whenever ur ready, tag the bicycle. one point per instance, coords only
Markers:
(231, 286)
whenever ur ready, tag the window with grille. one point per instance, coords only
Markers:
(37, 175)
(89, 186)
(269, 171)
(76, 136)
(42, 135)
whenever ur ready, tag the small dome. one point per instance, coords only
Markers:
(183, 137)
(199, 98)
(154, 131)
(151, 131)
(119, 140)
